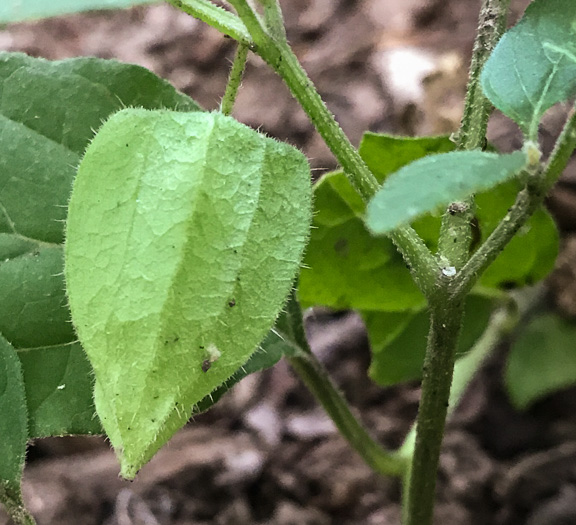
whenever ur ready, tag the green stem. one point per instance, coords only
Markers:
(317, 380)
(500, 326)
(446, 309)
(563, 149)
(282, 59)
(215, 16)
(291, 329)
(234, 79)
(527, 201)
(15, 507)
(274, 20)
(456, 231)
(445, 323)
(477, 108)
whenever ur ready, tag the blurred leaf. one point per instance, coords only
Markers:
(179, 256)
(542, 360)
(18, 10)
(398, 340)
(435, 181)
(531, 254)
(33, 309)
(13, 425)
(48, 114)
(534, 65)
(344, 265)
(386, 154)
(58, 381)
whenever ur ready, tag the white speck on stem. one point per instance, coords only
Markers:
(449, 271)
(61, 387)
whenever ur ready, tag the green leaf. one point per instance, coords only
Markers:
(435, 181)
(530, 255)
(280, 341)
(542, 360)
(345, 266)
(398, 340)
(13, 425)
(18, 10)
(33, 309)
(58, 381)
(48, 111)
(385, 154)
(534, 65)
(184, 235)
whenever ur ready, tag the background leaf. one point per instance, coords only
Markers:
(58, 381)
(18, 10)
(542, 360)
(385, 154)
(48, 111)
(534, 65)
(179, 256)
(398, 340)
(345, 266)
(13, 425)
(435, 181)
(530, 255)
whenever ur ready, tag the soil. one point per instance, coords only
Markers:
(267, 454)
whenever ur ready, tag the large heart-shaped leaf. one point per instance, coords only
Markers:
(13, 427)
(184, 234)
(48, 113)
(18, 10)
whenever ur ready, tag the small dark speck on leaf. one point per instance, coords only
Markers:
(232, 303)
(206, 365)
(341, 247)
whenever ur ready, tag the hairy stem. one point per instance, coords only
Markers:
(446, 309)
(317, 380)
(562, 151)
(227, 23)
(234, 79)
(445, 322)
(12, 501)
(472, 132)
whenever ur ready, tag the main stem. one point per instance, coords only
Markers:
(446, 308)
(445, 323)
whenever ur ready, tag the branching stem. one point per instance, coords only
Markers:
(234, 79)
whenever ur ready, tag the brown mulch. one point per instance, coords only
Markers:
(267, 454)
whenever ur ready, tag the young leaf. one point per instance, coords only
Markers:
(434, 181)
(542, 360)
(534, 65)
(18, 10)
(13, 425)
(398, 340)
(58, 382)
(280, 341)
(184, 235)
